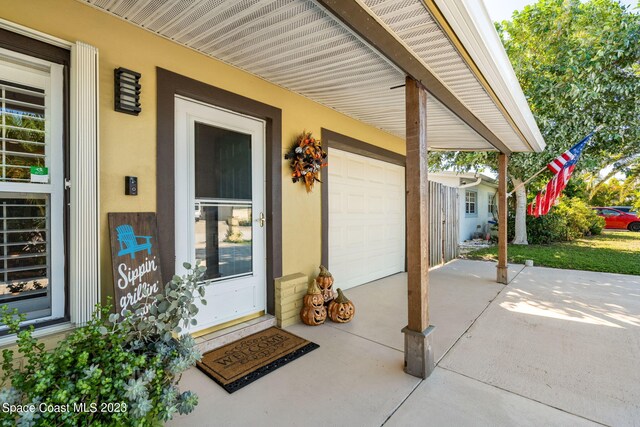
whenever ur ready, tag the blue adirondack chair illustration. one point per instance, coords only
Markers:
(129, 241)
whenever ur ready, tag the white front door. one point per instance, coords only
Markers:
(219, 207)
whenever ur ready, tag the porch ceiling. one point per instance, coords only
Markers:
(298, 45)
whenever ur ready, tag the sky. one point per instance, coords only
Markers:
(500, 10)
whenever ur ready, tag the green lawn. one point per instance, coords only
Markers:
(611, 252)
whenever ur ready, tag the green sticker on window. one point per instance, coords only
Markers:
(39, 170)
(40, 174)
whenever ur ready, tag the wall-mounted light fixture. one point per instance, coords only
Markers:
(127, 91)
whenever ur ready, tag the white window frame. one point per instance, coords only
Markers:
(35, 72)
(468, 203)
(491, 202)
(84, 254)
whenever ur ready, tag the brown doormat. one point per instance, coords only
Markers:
(235, 365)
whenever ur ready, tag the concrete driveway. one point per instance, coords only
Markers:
(568, 339)
(554, 347)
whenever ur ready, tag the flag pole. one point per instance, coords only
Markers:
(526, 182)
(541, 170)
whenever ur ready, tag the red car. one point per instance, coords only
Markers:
(618, 219)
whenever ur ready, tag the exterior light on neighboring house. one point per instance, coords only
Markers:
(127, 91)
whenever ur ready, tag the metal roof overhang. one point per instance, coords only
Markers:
(349, 54)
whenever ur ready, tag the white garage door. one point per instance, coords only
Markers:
(366, 219)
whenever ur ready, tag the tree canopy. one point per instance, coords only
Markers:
(579, 67)
(613, 191)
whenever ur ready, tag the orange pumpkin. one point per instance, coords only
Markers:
(313, 311)
(314, 297)
(341, 309)
(325, 283)
(313, 316)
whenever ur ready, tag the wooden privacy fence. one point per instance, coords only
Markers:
(443, 223)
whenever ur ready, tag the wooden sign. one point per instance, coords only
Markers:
(135, 258)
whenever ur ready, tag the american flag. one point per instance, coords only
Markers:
(570, 157)
(558, 163)
(562, 166)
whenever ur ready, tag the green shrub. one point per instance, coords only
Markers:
(596, 223)
(570, 219)
(546, 229)
(111, 372)
(577, 217)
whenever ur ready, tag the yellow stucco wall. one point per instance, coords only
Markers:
(128, 143)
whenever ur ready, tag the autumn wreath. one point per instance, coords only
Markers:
(306, 157)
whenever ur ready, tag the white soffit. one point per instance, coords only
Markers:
(414, 25)
(296, 44)
(475, 30)
(443, 127)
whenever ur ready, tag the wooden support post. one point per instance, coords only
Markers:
(503, 273)
(418, 353)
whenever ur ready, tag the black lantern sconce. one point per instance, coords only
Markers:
(127, 91)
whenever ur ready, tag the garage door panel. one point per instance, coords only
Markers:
(356, 170)
(393, 230)
(336, 205)
(395, 192)
(376, 237)
(355, 236)
(336, 237)
(348, 269)
(377, 263)
(394, 176)
(337, 167)
(375, 204)
(366, 219)
(376, 173)
(395, 207)
(355, 203)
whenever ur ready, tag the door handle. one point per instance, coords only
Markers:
(262, 219)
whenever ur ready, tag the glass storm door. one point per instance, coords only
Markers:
(219, 199)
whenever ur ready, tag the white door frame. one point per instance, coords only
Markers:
(187, 113)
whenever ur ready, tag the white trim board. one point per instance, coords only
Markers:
(35, 34)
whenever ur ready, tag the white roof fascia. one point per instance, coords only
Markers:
(475, 30)
(467, 175)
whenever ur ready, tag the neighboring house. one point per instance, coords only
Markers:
(477, 198)
(225, 89)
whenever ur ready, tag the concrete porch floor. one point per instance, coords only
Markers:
(554, 347)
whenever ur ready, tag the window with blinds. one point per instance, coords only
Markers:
(31, 200)
(25, 252)
(23, 131)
